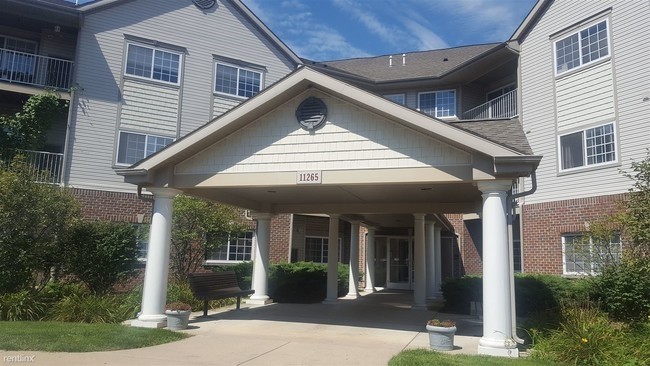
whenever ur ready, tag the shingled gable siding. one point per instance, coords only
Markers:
(220, 31)
(629, 21)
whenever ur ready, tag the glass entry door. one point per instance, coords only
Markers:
(399, 263)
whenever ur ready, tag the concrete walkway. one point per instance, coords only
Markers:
(366, 331)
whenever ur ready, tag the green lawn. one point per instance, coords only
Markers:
(79, 337)
(424, 357)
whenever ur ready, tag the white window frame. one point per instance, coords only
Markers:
(585, 164)
(394, 98)
(230, 240)
(322, 238)
(577, 32)
(146, 141)
(436, 107)
(592, 270)
(502, 90)
(239, 69)
(153, 59)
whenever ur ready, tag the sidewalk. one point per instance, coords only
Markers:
(366, 331)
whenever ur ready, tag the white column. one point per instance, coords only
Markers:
(332, 261)
(261, 261)
(430, 259)
(353, 276)
(437, 244)
(370, 260)
(419, 260)
(154, 291)
(497, 317)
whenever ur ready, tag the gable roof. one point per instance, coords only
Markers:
(529, 22)
(418, 65)
(297, 82)
(507, 132)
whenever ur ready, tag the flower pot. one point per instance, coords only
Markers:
(177, 319)
(441, 338)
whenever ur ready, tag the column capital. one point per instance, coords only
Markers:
(262, 216)
(163, 192)
(334, 216)
(494, 186)
(419, 216)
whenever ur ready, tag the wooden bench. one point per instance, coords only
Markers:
(216, 285)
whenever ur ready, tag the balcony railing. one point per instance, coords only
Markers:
(504, 106)
(44, 167)
(28, 68)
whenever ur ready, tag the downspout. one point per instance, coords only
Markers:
(66, 144)
(510, 206)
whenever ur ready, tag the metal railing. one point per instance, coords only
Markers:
(43, 166)
(28, 68)
(504, 106)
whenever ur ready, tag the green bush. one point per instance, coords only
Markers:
(92, 308)
(303, 282)
(55, 291)
(22, 305)
(101, 253)
(624, 289)
(585, 337)
(243, 270)
(533, 293)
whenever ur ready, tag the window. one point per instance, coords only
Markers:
(316, 249)
(151, 63)
(585, 46)
(134, 147)
(500, 92)
(397, 98)
(588, 147)
(142, 242)
(237, 249)
(583, 255)
(237, 81)
(439, 104)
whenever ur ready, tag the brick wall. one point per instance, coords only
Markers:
(112, 206)
(544, 224)
(469, 244)
(280, 238)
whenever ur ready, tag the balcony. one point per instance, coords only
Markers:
(45, 167)
(504, 106)
(36, 70)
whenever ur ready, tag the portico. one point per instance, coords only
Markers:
(312, 144)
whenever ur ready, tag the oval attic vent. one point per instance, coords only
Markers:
(311, 113)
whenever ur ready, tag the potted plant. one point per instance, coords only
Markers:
(178, 315)
(441, 334)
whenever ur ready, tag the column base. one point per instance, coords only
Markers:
(330, 301)
(149, 323)
(261, 300)
(500, 352)
(369, 290)
(352, 295)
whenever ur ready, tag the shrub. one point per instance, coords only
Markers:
(243, 271)
(22, 305)
(92, 308)
(303, 282)
(459, 292)
(625, 289)
(101, 253)
(585, 337)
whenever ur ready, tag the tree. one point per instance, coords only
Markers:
(198, 227)
(27, 128)
(33, 217)
(101, 253)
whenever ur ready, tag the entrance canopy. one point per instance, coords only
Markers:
(369, 157)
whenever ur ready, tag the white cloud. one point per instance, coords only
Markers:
(427, 40)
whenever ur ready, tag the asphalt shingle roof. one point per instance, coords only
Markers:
(422, 64)
(506, 132)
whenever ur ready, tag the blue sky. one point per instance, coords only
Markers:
(335, 29)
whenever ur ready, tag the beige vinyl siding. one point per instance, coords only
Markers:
(585, 97)
(100, 69)
(149, 107)
(629, 24)
(350, 139)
